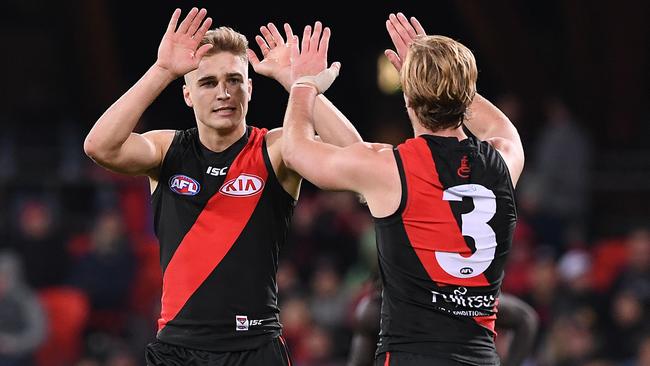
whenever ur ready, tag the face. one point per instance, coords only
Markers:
(219, 91)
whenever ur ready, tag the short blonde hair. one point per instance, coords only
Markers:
(226, 39)
(439, 81)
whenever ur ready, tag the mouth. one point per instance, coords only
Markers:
(224, 110)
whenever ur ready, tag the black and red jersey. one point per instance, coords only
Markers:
(220, 219)
(442, 253)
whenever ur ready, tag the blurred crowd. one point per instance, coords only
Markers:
(80, 277)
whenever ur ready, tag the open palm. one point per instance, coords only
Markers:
(178, 51)
(276, 61)
(312, 57)
(402, 32)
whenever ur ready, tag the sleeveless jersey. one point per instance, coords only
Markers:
(220, 219)
(443, 251)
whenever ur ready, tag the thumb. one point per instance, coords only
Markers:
(252, 57)
(336, 68)
(394, 59)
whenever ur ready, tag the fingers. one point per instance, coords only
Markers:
(418, 27)
(293, 45)
(394, 59)
(204, 28)
(196, 22)
(306, 35)
(171, 27)
(185, 24)
(324, 42)
(262, 44)
(315, 37)
(401, 31)
(277, 37)
(268, 37)
(406, 25)
(288, 32)
(398, 42)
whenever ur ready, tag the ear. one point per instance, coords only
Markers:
(406, 101)
(250, 89)
(187, 96)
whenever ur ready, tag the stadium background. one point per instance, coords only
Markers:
(572, 75)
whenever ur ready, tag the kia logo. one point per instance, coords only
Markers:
(242, 186)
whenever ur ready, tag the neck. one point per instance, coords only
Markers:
(456, 132)
(218, 140)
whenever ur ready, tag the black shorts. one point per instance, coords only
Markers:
(273, 353)
(412, 359)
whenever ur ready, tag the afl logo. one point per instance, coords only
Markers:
(184, 185)
(242, 186)
(466, 271)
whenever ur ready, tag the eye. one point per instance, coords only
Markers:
(209, 84)
(233, 81)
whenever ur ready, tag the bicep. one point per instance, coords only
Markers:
(334, 168)
(141, 154)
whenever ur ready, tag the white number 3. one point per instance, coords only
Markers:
(474, 224)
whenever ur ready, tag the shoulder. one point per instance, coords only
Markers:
(161, 136)
(273, 136)
(162, 139)
(512, 154)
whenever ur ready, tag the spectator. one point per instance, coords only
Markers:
(22, 322)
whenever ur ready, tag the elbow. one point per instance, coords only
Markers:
(96, 151)
(90, 147)
(289, 156)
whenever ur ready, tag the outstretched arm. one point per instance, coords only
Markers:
(361, 167)
(111, 142)
(331, 125)
(488, 123)
(484, 120)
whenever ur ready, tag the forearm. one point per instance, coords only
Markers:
(298, 128)
(331, 125)
(114, 127)
(486, 121)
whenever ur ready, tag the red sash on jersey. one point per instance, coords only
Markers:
(428, 220)
(214, 232)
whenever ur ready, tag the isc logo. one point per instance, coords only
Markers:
(242, 186)
(182, 184)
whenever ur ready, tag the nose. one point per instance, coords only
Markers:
(222, 92)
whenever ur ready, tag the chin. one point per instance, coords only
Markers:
(224, 124)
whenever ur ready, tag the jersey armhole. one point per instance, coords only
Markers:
(172, 149)
(271, 171)
(404, 195)
(511, 186)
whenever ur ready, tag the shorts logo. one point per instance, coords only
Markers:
(184, 185)
(241, 322)
(242, 186)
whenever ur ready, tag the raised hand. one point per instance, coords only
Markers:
(402, 33)
(276, 61)
(309, 65)
(178, 53)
